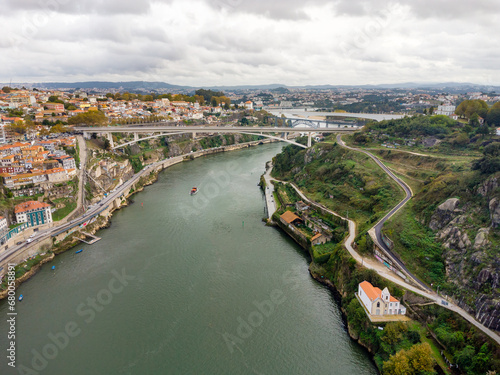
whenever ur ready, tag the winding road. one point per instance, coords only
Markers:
(427, 292)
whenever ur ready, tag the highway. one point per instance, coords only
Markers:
(90, 213)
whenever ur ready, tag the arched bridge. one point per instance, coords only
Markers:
(158, 130)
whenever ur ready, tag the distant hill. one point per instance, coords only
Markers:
(453, 87)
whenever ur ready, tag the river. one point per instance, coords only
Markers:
(184, 284)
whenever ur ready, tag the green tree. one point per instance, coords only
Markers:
(6, 89)
(416, 360)
(468, 107)
(107, 144)
(90, 118)
(493, 116)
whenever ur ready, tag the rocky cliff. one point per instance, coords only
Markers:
(469, 232)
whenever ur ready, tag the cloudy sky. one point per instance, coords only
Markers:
(230, 42)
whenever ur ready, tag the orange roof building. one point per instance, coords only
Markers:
(379, 302)
(33, 212)
(290, 218)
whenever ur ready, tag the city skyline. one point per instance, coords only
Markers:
(231, 42)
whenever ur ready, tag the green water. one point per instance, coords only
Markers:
(204, 287)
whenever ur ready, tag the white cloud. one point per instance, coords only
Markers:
(225, 42)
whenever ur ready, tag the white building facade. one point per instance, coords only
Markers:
(379, 302)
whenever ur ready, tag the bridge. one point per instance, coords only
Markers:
(311, 123)
(159, 130)
(299, 113)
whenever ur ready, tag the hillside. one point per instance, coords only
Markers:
(448, 234)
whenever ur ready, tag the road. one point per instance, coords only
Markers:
(377, 229)
(270, 203)
(427, 292)
(91, 212)
(207, 129)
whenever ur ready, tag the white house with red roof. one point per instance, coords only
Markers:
(33, 212)
(379, 302)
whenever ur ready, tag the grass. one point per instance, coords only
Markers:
(416, 245)
(61, 213)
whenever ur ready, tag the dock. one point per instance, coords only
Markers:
(90, 239)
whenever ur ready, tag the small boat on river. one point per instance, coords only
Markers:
(21, 297)
(78, 251)
(194, 191)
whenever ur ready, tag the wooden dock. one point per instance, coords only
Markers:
(90, 239)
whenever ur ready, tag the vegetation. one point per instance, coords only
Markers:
(90, 118)
(69, 206)
(345, 181)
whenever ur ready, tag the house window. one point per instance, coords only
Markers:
(378, 304)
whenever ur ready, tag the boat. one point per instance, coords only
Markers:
(53, 267)
(194, 191)
(21, 297)
(78, 251)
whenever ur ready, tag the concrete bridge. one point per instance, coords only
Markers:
(160, 130)
(300, 113)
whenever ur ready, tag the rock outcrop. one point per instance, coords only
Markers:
(494, 207)
(444, 214)
(489, 186)
(481, 239)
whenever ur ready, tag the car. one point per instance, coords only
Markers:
(33, 235)
(19, 243)
(444, 302)
(29, 240)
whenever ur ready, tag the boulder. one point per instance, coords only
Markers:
(488, 186)
(444, 214)
(495, 212)
(481, 239)
(450, 205)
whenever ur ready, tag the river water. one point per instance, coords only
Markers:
(184, 284)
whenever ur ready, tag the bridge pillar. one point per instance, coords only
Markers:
(110, 139)
(309, 139)
(285, 135)
(194, 135)
(136, 137)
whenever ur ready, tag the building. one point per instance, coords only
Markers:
(290, 218)
(67, 162)
(301, 206)
(446, 110)
(319, 239)
(3, 225)
(379, 302)
(33, 212)
(248, 105)
(57, 175)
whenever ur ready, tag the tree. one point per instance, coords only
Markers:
(107, 144)
(58, 128)
(214, 102)
(6, 89)
(416, 360)
(474, 120)
(468, 107)
(493, 116)
(91, 118)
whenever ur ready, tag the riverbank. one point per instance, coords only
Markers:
(102, 222)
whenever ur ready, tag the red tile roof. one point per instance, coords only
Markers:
(373, 292)
(30, 205)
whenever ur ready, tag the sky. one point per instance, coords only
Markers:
(236, 42)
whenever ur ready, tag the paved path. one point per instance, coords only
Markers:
(269, 190)
(81, 178)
